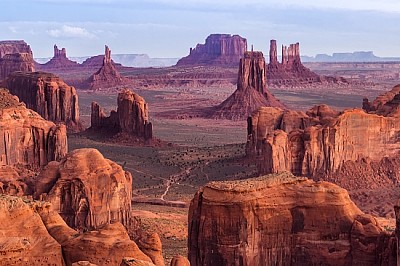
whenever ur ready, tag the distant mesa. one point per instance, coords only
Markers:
(251, 92)
(15, 56)
(48, 95)
(326, 144)
(350, 57)
(60, 60)
(107, 76)
(130, 119)
(218, 50)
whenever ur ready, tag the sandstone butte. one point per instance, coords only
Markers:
(59, 60)
(283, 220)
(131, 117)
(28, 139)
(323, 143)
(107, 76)
(86, 189)
(218, 50)
(290, 71)
(33, 234)
(15, 56)
(48, 95)
(251, 92)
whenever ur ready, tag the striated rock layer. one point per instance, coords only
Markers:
(282, 220)
(131, 117)
(47, 94)
(10, 63)
(218, 50)
(27, 138)
(320, 142)
(86, 189)
(251, 92)
(14, 47)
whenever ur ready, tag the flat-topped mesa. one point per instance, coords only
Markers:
(251, 92)
(107, 76)
(87, 189)
(59, 61)
(10, 63)
(131, 117)
(282, 220)
(14, 47)
(322, 142)
(290, 70)
(218, 50)
(28, 139)
(48, 95)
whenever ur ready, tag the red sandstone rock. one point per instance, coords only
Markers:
(47, 94)
(131, 117)
(387, 104)
(107, 76)
(179, 260)
(86, 189)
(59, 60)
(151, 245)
(10, 63)
(251, 92)
(282, 220)
(14, 47)
(28, 139)
(219, 49)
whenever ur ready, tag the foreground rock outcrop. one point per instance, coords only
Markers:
(251, 92)
(28, 140)
(48, 95)
(218, 50)
(131, 117)
(283, 220)
(33, 234)
(107, 76)
(87, 190)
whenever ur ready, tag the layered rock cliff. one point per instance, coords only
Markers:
(14, 47)
(131, 117)
(218, 50)
(251, 92)
(313, 144)
(282, 220)
(107, 76)
(10, 63)
(86, 189)
(48, 95)
(33, 234)
(387, 104)
(28, 139)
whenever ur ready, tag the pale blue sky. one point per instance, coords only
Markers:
(168, 28)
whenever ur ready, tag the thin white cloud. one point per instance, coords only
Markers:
(70, 32)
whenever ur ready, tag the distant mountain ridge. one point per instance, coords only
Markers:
(357, 56)
(129, 60)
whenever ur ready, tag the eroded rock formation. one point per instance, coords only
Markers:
(131, 117)
(282, 220)
(107, 76)
(59, 60)
(14, 47)
(28, 139)
(251, 92)
(48, 95)
(290, 71)
(10, 63)
(218, 50)
(86, 189)
(387, 104)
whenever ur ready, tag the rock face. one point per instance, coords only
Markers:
(24, 239)
(131, 117)
(27, 138)
(282, 220)
(251, 92)
(48, 95)
(218, 50)
(86, 189)
(33, 234)
(290, 71)
(16, 62)
(317, 142)
(60, 60)
(387, 104)
(14, 47)
(107, 76)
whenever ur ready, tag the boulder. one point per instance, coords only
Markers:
(48, 95)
